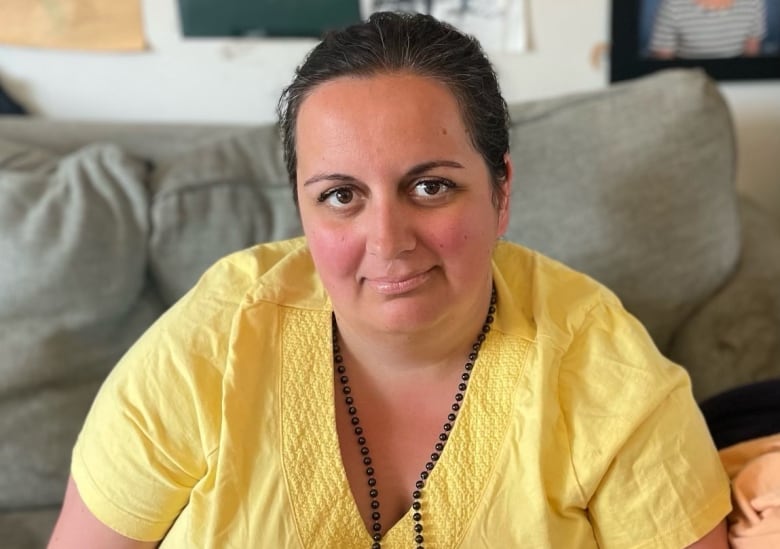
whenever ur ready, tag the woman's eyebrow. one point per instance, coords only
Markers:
(415, 170)
(427, 166)
(329, 177)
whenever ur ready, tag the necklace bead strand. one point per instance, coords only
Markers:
(417, 494)
(346, 390)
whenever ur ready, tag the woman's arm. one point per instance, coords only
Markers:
(752, 47)
(78, 528)
(716, 539)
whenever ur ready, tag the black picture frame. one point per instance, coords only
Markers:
(629, 29)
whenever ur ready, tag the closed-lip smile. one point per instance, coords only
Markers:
(398, 285)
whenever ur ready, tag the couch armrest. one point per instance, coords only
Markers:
(734, 338)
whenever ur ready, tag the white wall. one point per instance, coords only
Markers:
(238, 81)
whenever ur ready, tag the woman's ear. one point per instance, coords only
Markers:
(503, 199)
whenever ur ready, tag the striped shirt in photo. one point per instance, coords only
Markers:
(689, 30)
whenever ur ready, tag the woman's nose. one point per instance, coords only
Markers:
(389, 231)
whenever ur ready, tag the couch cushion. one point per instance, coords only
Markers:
(215, 199)
(734, 339)
(28, 529)
(72, 276)
(645, 204)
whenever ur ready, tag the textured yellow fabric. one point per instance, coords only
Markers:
(218, 427)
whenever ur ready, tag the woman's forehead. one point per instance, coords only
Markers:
(380, 127)
(381, 104)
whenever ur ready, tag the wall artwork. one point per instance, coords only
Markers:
(73, 24)
(730, 39)
(265, 18)
(499, 24)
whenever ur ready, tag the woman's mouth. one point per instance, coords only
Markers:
(398, 285)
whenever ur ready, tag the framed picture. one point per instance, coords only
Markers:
(730, 39)
(265, 18)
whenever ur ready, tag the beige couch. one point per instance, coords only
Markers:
(103, 226)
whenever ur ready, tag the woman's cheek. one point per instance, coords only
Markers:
(451, 237)
(463, 246)
(336, 253)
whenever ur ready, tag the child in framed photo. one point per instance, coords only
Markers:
(709, 29)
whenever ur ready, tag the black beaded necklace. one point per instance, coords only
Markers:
(341, 371)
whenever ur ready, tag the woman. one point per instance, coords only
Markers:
(398, 378)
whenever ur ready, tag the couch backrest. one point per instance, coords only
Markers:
(634, 186)
(150, 141)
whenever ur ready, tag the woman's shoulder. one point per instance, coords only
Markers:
(281, 272)
(201, 322)
(599, 347)
(242, 269)
(552, 297)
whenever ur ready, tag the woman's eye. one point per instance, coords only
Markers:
(432, 187)
(337, 197)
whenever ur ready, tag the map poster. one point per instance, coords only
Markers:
(103, 25)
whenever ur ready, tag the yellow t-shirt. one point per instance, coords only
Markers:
(218, 426)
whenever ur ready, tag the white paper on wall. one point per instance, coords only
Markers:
(499, 25)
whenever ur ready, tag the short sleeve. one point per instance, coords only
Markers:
(758, 27)
(663, 36)
(640, 447)
(664, 486)
(155, 421)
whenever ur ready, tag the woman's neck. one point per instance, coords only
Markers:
(431, 353)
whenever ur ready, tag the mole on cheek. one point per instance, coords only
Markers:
(444, 131)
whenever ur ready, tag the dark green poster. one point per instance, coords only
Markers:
(201, 18)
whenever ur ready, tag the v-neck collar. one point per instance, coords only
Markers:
(324, 508)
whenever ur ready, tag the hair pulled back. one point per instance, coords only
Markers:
(407, 43)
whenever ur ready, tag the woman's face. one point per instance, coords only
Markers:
(396, 203)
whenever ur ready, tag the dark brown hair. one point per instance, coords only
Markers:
(415, 43)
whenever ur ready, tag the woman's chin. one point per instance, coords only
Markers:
(407, 315)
